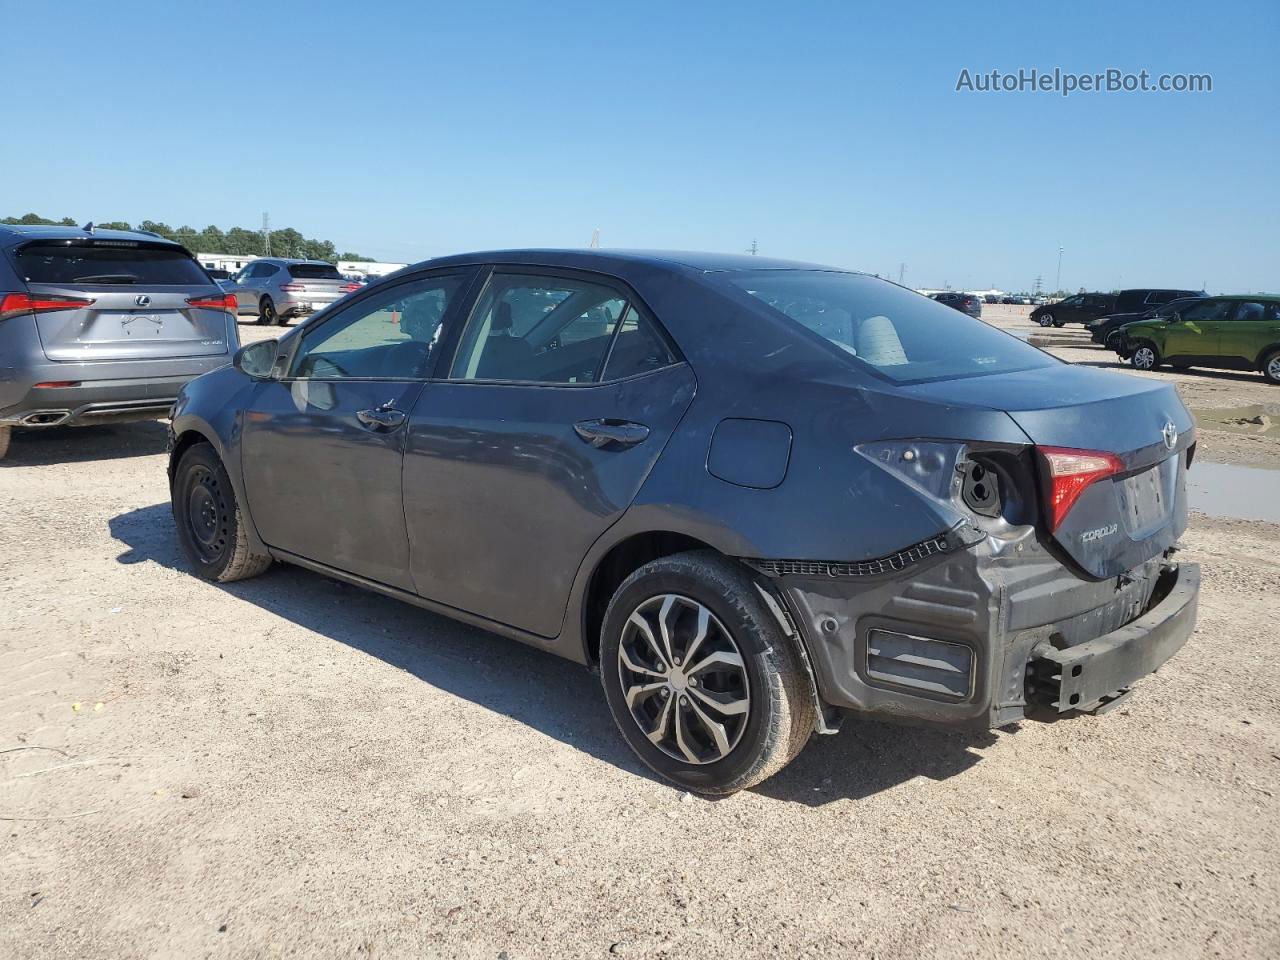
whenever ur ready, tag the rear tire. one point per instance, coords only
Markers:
(729, 722)
(211, 527)
(267, 315)
(1145, 356)
(1270, 371)
(5, 433)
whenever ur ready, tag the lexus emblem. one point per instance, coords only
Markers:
(1170, 434)
(142, 300)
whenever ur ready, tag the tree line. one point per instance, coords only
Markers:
(236, 241)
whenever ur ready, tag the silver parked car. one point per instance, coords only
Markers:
(102, 324)
(276, 289)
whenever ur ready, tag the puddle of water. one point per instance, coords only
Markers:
(1259, 419)
(1229, 490)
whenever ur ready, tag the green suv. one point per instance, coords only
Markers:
(1232, 333)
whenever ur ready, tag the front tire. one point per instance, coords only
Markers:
(1046, 320)
(701, 681)
(1145, 356)
(211, 527)
(1270, 370)
(1113, 341)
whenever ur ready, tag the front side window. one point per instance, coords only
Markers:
(389, 336)
(1207, 311)
(893, 332)
(539, 330)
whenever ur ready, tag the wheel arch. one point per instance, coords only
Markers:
(1264, 353)
(617, 563)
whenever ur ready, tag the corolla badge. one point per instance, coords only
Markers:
(142, 300)
(1091, 535)
(1170, 434)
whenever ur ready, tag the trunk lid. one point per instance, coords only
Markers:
(117, 326)
(317, 284)
(1122, 520)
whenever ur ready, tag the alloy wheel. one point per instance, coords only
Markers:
(1144, 358)
(1273, 368)
(1046, 320)
(683, 679)
(268, 312)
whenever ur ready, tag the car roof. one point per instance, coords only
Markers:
(605, 258)
(13, 233)
(289, 260)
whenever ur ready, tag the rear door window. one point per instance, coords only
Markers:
(97, 264)
(637, 348)
(535, 329)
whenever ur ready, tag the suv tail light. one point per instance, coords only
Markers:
(226, 301)
(1070, 473)
(293, 287)
(12, 304)
(350, 287)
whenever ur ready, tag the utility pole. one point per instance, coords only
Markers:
(753, 248)
(595, 238)
(1057, 283)
(266, 234)
(902, 269)
(1039, 284)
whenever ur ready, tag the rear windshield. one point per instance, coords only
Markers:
(314, 271)
(93, 265)
(894, 332)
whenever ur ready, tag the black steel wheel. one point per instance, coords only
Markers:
(210, 525)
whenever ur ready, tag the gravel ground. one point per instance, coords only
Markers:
(290, 766)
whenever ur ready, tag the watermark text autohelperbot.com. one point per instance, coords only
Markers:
(1065, 83)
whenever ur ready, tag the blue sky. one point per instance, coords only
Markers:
(825, 131)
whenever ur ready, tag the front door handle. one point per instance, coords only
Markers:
(381, 419)
(611, 433)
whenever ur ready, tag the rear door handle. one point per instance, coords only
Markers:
(381, 419)
(611, 433)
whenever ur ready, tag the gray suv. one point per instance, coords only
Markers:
(276, 289)
(102, 324)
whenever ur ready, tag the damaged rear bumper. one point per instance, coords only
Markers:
(982, 634)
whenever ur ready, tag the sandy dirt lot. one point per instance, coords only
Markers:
(289, 766)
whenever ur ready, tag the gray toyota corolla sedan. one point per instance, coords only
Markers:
(757, 495)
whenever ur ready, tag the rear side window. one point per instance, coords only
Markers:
(83, 265)
(637, 349)
(539, 330)
(893, 332)
(314, 271)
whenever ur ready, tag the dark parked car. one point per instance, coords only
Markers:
(756, 494)
(1240, 332)
(102, 325)
(1081, 308)
(964, 302)
(1106, 330)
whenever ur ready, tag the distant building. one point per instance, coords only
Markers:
(368, 268)
(225, 261)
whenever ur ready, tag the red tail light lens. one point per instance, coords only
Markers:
(12, 304)
(350, 287)
(226, 301)
(293, 287)
(1070, 472)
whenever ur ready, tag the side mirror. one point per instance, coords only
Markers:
(257, 359)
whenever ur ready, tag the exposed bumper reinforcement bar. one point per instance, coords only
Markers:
(1092, 677)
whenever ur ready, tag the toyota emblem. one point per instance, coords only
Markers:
(142, 300)
(1170, 434)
